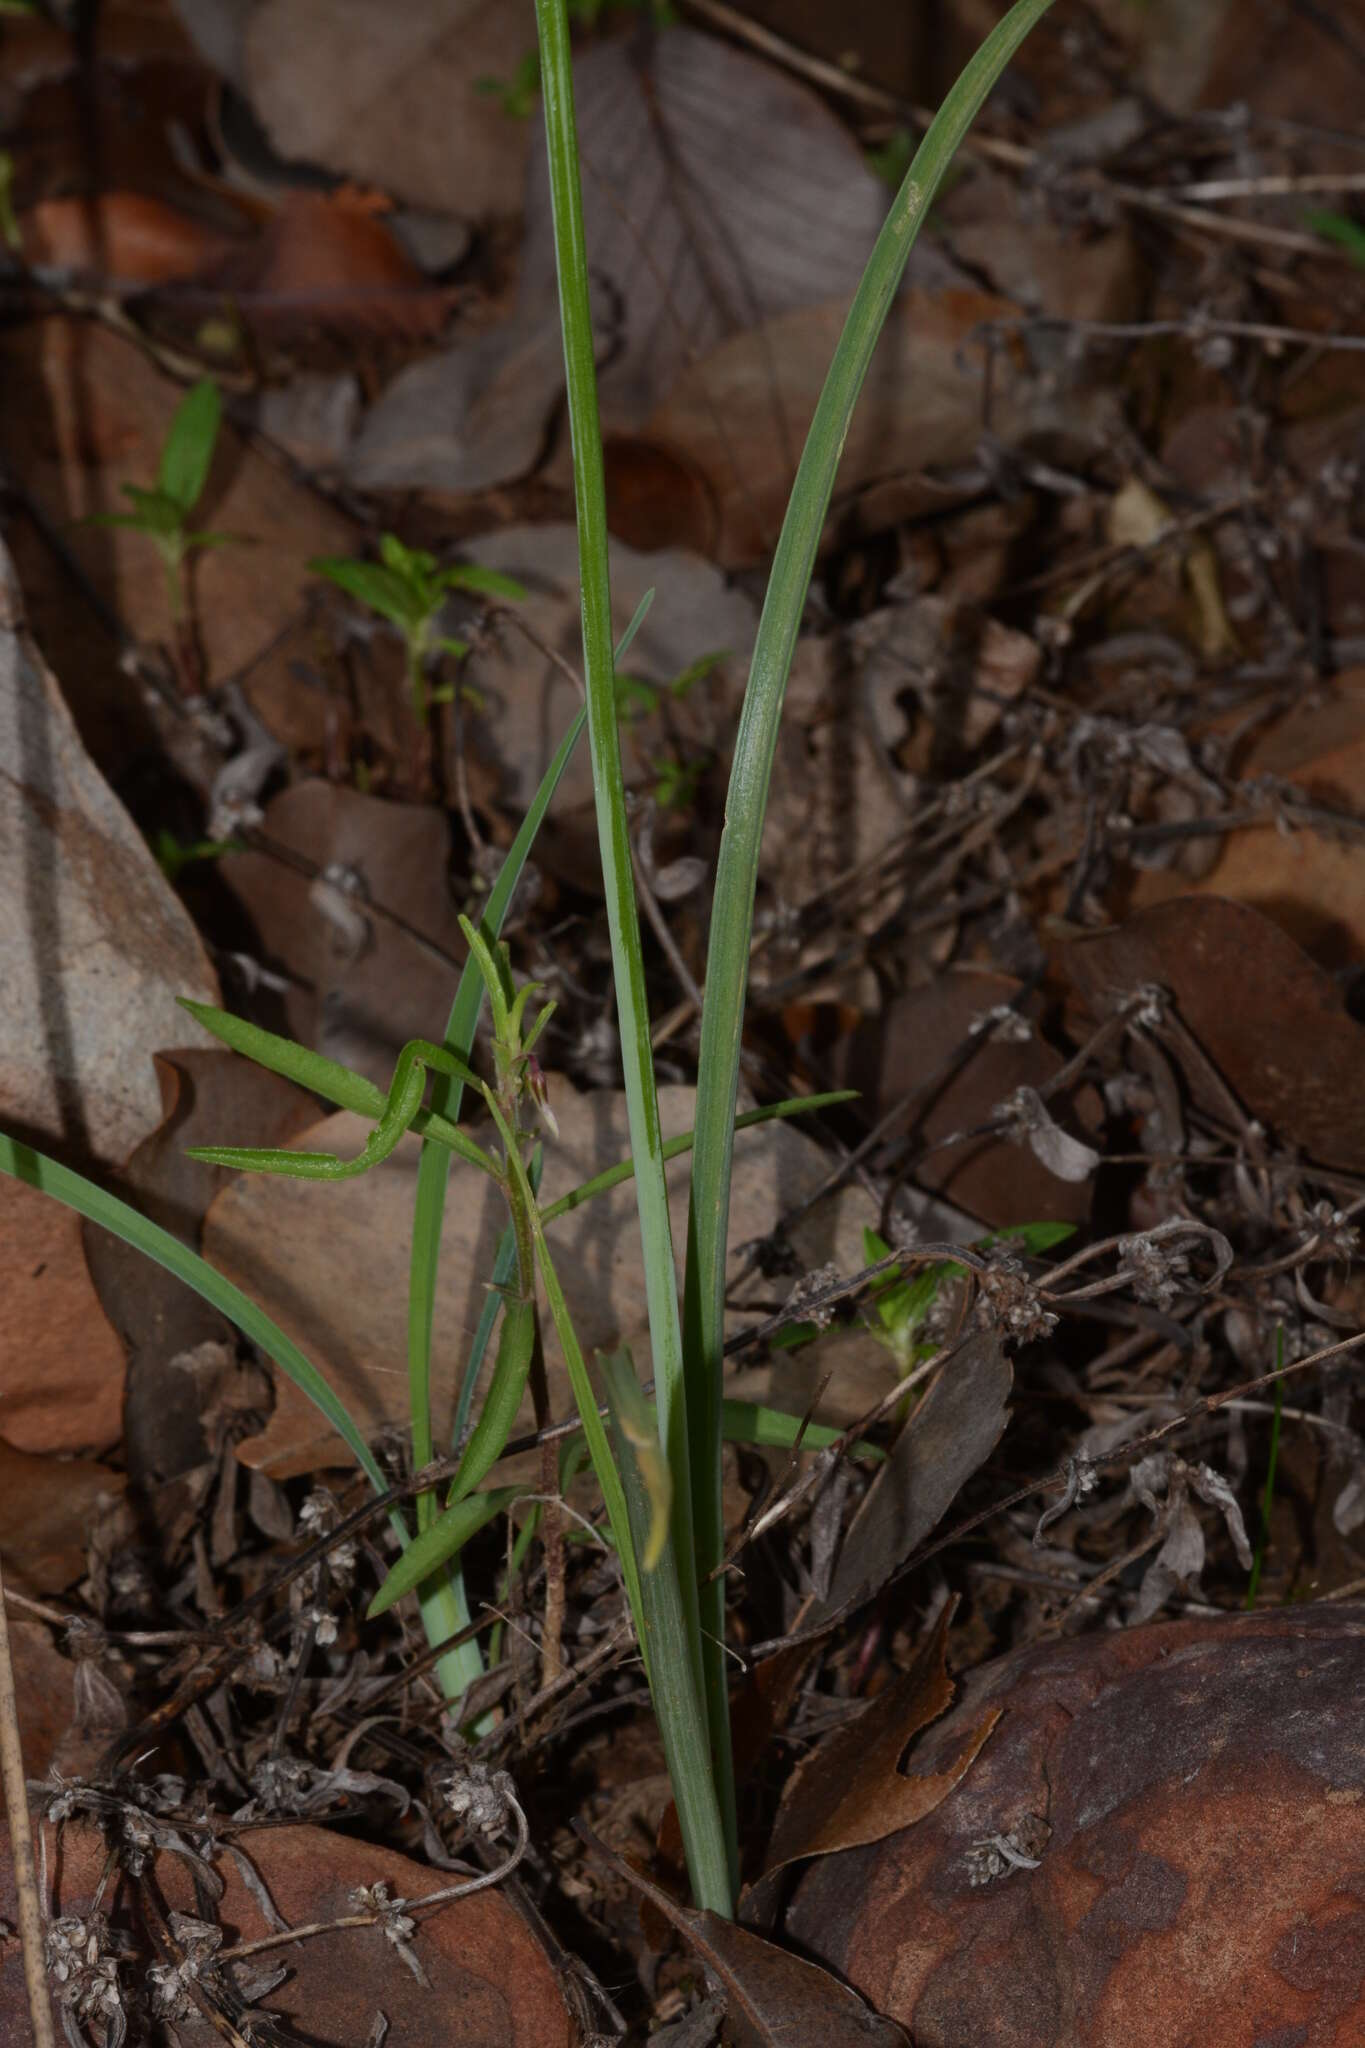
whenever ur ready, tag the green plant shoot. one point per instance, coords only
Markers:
(162, 512)
(408, 588)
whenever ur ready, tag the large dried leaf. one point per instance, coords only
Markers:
(773, 1999)
(698, 161)
(948, 1437)
(389, 95)
(372, 955)
(1271, 1021)
(851, 1790)
(738, 415)
(61, 1363)
(95, 945)
(330, 1262)
(164, 1323)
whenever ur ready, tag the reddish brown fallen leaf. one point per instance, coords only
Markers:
(1271, 1021)
(327, 259)
(121, 239)
(948, 1437)
(61, 1364)
(1310, 881)
(46, 1508)
(42, 1687)
(909, 1051)
(490, 1983)
(161, 1320)
(774, 1999)
(1157, 1848)
(851, 1790)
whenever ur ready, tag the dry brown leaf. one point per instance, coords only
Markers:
(164, 1323)
(330, 1261)
(1310, 880)
(96, 946)
(120, 240)
(528, 702)
(740, 414)
(389, 95)
(1148, 1852)
(1271, 1021)
(42, 1689)
(948, 1437)
(488, 1982)
(360, 984)
(910, 1050)
(61, 1363)
(773, 1999)
(46, 1508)
(324, 260)
(851, 1790)
(697, 159)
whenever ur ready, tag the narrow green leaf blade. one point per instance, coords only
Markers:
(187, 456)
(639, 1453)
(439, 1543)
(511, 1368)
(727, 964)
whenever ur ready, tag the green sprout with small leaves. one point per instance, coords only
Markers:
(407, 587)
(163, 511)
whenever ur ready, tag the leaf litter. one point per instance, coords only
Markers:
(1062, 872)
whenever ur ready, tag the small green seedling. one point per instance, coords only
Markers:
(406, 587)
(901, 1305)
(163, 512)
(174, 855)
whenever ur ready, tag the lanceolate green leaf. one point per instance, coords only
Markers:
(187, 456)
(727, 962)
(440, 1542)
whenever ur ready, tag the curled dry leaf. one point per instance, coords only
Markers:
(949, 1436)
(1152, 1849)
(851, 1790)
(1272, 1022)
(773, 1998)
(360, 984)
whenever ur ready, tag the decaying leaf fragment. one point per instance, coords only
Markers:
(851, 1790)
(950, 1435)
(773, 1998)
